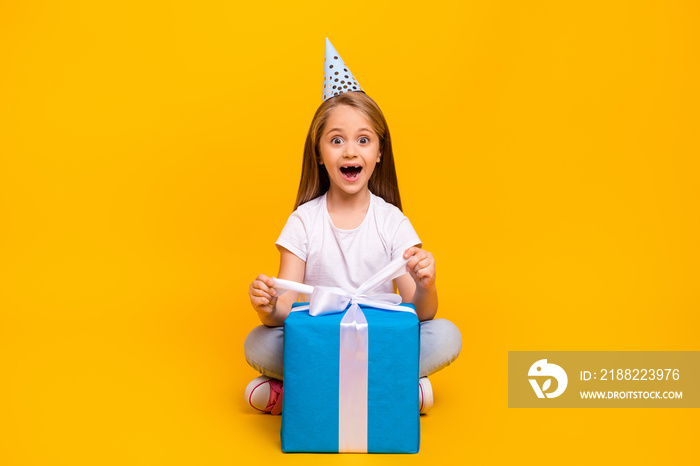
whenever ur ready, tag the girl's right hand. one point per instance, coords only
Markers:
(262, 294)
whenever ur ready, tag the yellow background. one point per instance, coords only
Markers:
(548, 155)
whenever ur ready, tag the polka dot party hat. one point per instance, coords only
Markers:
(337, 77)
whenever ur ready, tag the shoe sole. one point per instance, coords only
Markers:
(426, 395)
(252, 385)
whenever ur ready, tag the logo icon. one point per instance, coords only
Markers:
(542, 369)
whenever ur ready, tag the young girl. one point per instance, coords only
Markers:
(347, 225)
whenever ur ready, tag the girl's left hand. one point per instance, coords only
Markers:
(421, 266)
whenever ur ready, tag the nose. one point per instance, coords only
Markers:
(350, 150)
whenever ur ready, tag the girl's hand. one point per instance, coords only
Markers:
(262, 294)
(421, 266)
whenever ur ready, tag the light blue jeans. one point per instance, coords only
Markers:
(440, 344)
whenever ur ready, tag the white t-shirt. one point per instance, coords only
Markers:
(347, 258)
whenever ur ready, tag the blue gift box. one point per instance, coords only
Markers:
(310, 415)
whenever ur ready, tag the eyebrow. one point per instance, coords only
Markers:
(368, 130)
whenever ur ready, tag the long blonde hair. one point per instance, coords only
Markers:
(314, 177)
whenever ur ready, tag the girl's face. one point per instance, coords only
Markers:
(349, 149)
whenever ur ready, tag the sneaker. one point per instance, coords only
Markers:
(265, 394)
(425, 395)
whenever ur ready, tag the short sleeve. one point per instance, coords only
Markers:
(404, 237)
(294, 236)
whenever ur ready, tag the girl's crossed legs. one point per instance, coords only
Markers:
(440, 344)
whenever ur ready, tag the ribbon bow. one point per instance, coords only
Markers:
(354, 344)
(332, 300)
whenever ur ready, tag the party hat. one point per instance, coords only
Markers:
(337, 77)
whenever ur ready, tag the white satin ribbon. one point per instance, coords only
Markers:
(353, 376)
(333, 300)
(354, 344)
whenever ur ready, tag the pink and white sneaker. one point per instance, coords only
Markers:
(425, 394)
(265, 394)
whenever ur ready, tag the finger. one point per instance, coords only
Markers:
(415, 260)
(425, 273)
(414, 257)
(260, 302)
(268, 281)
(410, 251)
(258, 285)
(261, 285)
(261, 294)
(423, 263)
(258, 282)
(266, 309)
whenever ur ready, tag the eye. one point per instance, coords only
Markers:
(336, 140)
(363, 140)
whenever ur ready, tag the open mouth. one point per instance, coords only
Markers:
(351, 173)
